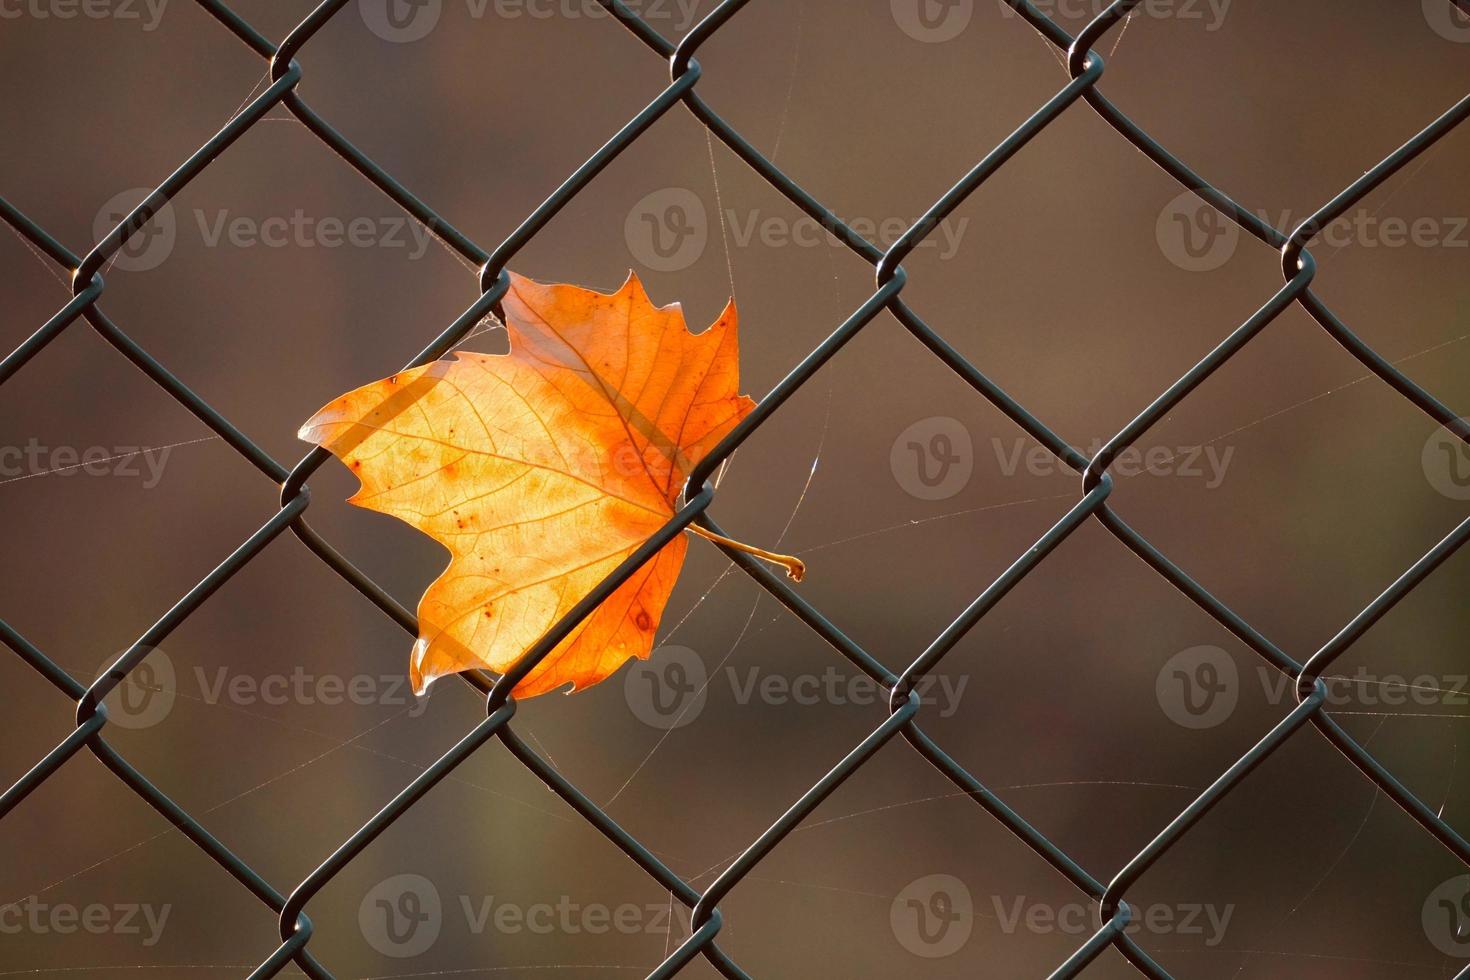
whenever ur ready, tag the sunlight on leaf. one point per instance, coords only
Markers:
(541, 470)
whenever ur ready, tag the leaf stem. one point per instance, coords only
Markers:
(795, 567)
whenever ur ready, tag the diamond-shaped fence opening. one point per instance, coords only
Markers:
(905, 707)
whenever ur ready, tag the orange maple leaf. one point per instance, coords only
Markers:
(543, 469)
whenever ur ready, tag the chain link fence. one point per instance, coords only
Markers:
(1108, 897)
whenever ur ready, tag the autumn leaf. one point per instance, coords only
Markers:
(541, 470)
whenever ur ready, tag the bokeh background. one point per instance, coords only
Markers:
(1076, 278)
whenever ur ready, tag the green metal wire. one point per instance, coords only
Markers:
(1086, 69)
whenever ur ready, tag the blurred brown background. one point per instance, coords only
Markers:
(1075, 278)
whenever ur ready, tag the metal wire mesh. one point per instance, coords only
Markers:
(1085, 68)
